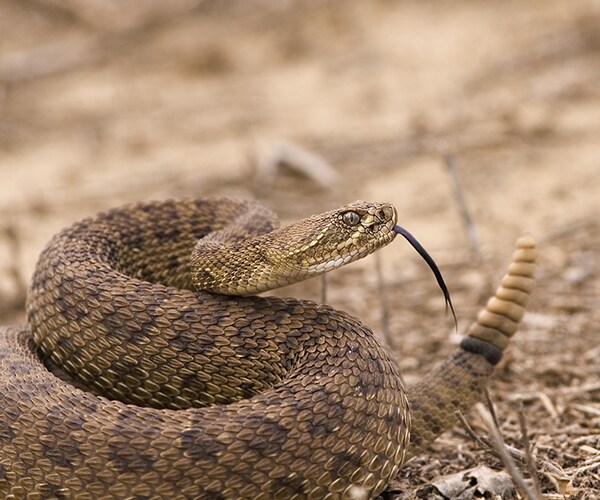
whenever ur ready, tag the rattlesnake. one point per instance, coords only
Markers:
(191, 394)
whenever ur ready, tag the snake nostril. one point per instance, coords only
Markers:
(386, 214)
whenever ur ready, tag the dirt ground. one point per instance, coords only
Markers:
(102, 104)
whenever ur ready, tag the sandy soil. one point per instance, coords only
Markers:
(101, 105)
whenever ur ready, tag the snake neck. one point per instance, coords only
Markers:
(219, 266)
(234, 262)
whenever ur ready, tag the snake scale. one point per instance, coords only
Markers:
(128, 381)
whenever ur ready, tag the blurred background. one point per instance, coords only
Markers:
(307, 106)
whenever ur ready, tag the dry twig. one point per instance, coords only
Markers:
(465, 213)
(531, 466)
(383, 301)
(323, 288)
(297, 158)
(500, 448)
(14, 247)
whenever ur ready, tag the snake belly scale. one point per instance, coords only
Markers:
(126, 382)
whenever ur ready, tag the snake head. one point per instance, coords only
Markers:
(329, 240)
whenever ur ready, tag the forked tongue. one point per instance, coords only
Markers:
(432, 265)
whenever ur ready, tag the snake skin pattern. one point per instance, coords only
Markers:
(192, 395)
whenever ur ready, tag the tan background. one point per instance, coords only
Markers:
(105, 102)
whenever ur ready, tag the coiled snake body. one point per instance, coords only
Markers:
(190, 394)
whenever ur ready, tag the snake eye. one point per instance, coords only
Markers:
(351, 218)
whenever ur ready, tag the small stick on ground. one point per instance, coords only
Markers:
(323, 288)
(465, 213)
(530, 460)
(298, 159)
(14, 247)
(500, 448)
(383, 300)
(472, 434)
(486, 443)
(490, 406)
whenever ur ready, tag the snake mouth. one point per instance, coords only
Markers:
(358, 253)
(432, 265)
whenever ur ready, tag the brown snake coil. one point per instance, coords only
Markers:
(304, 402)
